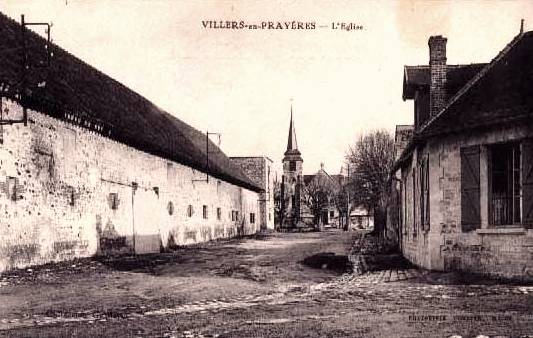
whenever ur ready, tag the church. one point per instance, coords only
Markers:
(310, 202)
(291, 182)
(297, 209)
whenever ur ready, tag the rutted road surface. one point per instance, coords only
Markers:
(256, 287)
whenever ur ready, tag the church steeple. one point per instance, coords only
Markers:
(291, 181)
(292, 144)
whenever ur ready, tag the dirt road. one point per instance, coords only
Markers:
(255, 287)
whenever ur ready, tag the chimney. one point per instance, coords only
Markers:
(437, 71)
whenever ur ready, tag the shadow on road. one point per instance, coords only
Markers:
(330, 261)
(137, 263)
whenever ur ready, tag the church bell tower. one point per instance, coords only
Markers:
(291, 180)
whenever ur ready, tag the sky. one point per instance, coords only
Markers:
(241, 83)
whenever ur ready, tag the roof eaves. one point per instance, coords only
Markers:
(407, 152)
(406, 80)
(62, 54)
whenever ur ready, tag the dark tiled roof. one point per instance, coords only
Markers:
(75, 88)
(499, 93)
(308, 178)
(456, 77)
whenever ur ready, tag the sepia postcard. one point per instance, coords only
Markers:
(235, 168)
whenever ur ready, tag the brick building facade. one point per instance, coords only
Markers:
(464, 180)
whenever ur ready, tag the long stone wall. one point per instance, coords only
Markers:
(66, 192)
(497, 251)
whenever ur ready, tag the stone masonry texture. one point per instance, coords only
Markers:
(67, 192)
(499, 252)
(259, 170)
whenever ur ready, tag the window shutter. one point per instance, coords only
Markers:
(470, 201)
(527, 182)
(426, 194)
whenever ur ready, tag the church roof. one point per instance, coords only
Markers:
(337, 180)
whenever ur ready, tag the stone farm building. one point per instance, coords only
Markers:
(98, 168)
(259, 170)
(465, 178)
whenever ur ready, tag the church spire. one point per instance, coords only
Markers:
(292, 145)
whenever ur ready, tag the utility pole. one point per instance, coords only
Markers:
(24, 72)
(348, 197)
(207, 134)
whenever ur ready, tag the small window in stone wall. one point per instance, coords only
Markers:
(113, 200)
(205, 212)
(252, 218)
(292, 166)
(71, 197)
(219, 214)
(170, 208)
(236, 215)
(13, 188)
(190, 211)
(233, 215)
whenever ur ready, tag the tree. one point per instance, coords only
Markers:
(371, 159)
(343, 203)
(318, 194)
(280, 202)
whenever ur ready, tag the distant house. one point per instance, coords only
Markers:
(329, 213)
(402, 137)
(96, 168)
(465, 178)
(361, 218)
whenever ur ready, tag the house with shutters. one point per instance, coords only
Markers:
(464, 181)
